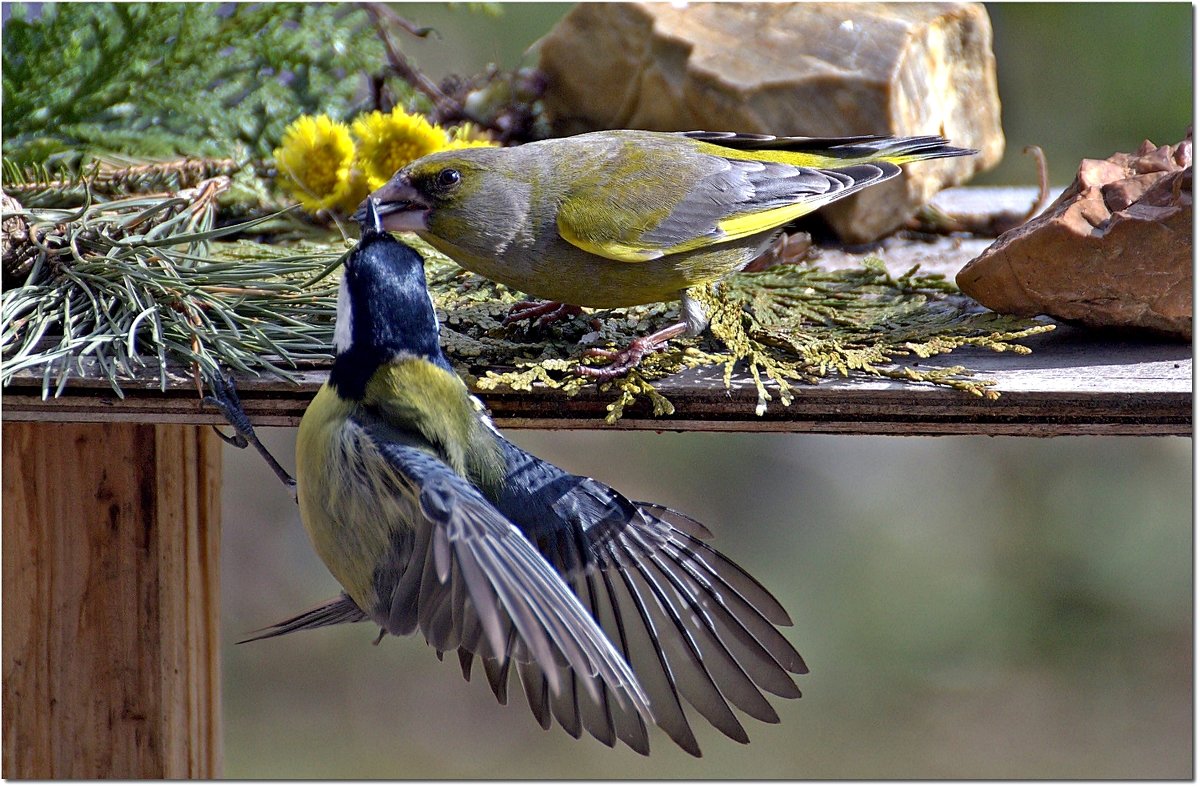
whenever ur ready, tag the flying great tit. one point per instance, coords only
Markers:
(610, 611)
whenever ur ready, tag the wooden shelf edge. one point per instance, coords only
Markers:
(819, 409)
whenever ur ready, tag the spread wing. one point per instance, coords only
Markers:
(693, 193)
(470, 580)
(558, 578)
(693, 625)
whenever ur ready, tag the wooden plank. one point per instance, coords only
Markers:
(1074, 382)
(110, 558)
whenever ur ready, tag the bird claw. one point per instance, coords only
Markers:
(235, 439)
(545, 312)
(224, 397)
(621, 361)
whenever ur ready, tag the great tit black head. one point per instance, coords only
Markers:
(384, 309)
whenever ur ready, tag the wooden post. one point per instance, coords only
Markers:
(110, 630)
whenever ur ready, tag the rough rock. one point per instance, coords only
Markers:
(1114, 250)
(808, 69)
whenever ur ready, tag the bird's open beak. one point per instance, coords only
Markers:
(401, 208)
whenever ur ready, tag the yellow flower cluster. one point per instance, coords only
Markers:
(328, 165)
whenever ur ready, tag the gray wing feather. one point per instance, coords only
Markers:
(741, 187)
(870, 146)
(509, 584)
(746, 141)
(693, 625)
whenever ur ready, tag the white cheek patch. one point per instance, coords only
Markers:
(343, 330)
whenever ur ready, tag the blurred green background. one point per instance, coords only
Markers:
(969, 607)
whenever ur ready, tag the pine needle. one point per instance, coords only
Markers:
(141, 283)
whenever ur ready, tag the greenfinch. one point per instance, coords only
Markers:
(610, 612)
(620, 218)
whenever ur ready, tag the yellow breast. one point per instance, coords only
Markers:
(341, 482)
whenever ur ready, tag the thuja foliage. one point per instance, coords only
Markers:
(168, 79)
(788, 325)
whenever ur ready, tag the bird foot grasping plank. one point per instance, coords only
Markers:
(546, 312)
(621, 361)
(695, 318)
(225, 398)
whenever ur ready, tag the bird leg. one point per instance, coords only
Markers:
(621, 361)
(695, 320)
(546, 312)
(224, 397)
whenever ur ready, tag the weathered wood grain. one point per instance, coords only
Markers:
(110, 558)
(1074, 382)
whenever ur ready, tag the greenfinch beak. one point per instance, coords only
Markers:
(400, 207)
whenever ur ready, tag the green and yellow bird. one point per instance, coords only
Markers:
(611, 612)
(620, 218)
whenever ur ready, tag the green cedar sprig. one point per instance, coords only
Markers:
(176, 79)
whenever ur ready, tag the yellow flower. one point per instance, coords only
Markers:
(388, 142)
(314, 162)
(468, 135)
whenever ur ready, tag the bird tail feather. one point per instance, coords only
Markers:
(824, 152)
(905, 149)
(339, 610)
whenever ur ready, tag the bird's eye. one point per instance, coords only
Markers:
(448, 178)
